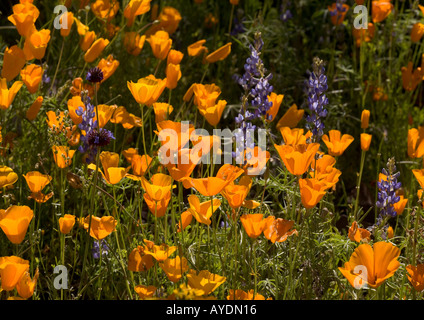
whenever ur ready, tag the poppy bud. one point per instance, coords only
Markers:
(365, 117)
(365, 141)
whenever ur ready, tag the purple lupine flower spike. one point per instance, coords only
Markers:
(316, 86)
(387, 190)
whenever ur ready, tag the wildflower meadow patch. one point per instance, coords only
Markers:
(211, 150)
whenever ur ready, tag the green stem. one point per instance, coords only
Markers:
(358, 185)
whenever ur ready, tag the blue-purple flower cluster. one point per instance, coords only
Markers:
(94, 137)
(316, 86)
(96, 249)
(387, 190)
(238, 24)
(256, 88)
(285, 12)
(339, 8)
(255, 83)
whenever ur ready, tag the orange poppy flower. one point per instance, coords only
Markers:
(311, 191)
(186, 218)
(95, 49)
(129, 153)
(400, 205)
(100, 227)
(147, 90)
(64, 32)
(295, 136)
(37, 182)
(365, 118)
(419, 175)
(105, 114)
(184, 166)
(202, 211)
(239, 294)
(323, 170)
(297, 159)
(197, 48)
(278, 229)
(169, 19)
(255, 161)
(175, 135)
(174, 57)
(14, 222)
(160, 186)
(358, 234)
(336, 143)
(204, 280)
(66, 223)
(62, 156)
(219, 54)
(337, 17)
(56, 124)
(135, 8)
(23, 17)
(78, 86)
(416, 142)
(126, 119)
(417, 32)
(236, 194)
(276, 100)
(205, 95)
(7, 176)
(105, 9)
(253, 224)
(31, 75)
(174, 268)
(138, 261)
(82, 29)
(211, 186)
(145, 291)
(380, 10)
(35, 107)
(363, 35)
(55, 121)
(157, 208)
(26, 285)
(108, 67)
(7, 95)
(12, 269)
(36, 43)
(365, 141)
(371, 265)
(111, 173)
(213, 114)
(234, 2)
(73, 104)
(291, 118)
(411, 78)
(162, 111)
(173, 75)
(160, 44)
(139, 165)
(13, 61)
(134, 43)
(87, 40)
(161, 252)
(416, 276)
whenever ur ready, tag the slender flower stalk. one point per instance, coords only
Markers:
(256, 86)
(316, 86)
